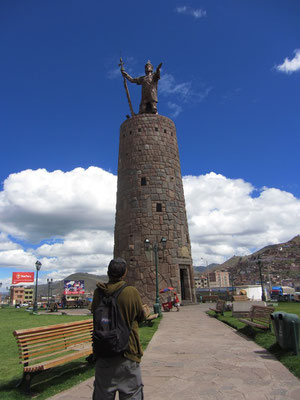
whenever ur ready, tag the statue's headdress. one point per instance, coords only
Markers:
(149, 63)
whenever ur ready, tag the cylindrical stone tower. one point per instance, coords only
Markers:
(151, 205)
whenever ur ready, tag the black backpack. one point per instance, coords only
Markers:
(111, 333)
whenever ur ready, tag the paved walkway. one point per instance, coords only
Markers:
(193, 356)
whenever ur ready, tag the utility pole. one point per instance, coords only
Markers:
(263, 296)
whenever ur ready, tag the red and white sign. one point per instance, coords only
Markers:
(22, 277)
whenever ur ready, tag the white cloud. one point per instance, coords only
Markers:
(224, 218)
(290, 66)
(195, 12)
(75, 212)
(169, 86)
(37, 205)
(185, 92)
(175, 109)
(6, 244)
(114, 73)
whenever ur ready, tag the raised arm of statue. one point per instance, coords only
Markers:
(157, 72)
(158, 68)
(127, 76)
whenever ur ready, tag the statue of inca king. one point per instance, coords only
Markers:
(149, 88)
(151, 230)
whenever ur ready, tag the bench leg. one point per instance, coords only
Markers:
(26, 381)
(21, 381)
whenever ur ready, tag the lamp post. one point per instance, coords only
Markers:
(38, 267)
(49, 282)
(263, 296)
(207, 273)
(155, 248)
(231, 278)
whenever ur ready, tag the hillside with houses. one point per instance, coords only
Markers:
(280, 264)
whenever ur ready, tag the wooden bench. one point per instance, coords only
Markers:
(220, 307)
(211, 298)
(149, 317)
(259, 317)
(49, 346)
(240, 297)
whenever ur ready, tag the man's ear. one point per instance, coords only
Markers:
(125, 273)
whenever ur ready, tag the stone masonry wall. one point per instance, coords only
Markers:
(151, 205)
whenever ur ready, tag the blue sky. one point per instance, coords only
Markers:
(230, 81)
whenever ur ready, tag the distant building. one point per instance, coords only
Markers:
(219, 279)
(28, 295)
(17, 295)
(20, 295)
(201, 281)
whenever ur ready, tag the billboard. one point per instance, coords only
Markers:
(73, 287)
(22, 277)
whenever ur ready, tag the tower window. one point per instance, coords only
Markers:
(158, 207)
(165, 131)
(156, 129)
(143, 181)
(139, 129)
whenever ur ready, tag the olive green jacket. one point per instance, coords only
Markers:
(130, 305)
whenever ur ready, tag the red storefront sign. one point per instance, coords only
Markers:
(22, 277)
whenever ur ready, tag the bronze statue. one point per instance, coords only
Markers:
(149, 82)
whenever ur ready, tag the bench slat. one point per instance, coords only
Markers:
(247, 322)
(147, 313)
(58, 361)
(259, 317)
(53, 353)
(49, 349)
(220, 307)
(45, 342)
(38, 330)
(50, 333)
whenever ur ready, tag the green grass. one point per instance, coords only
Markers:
(48, 383)
(267, 339)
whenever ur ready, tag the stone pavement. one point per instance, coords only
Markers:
(194, 356)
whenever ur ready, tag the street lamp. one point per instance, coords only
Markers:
(263, 296)
(49, 282)
(155, 248)
(38, 267)
(207, 273)
(231, 278)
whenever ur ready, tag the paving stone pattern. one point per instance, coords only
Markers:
(193, 356)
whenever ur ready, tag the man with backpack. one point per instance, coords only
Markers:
(117, 309)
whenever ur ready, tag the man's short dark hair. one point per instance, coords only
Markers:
(117, 268)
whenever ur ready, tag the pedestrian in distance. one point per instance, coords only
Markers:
(176, 301)
(117, 309)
